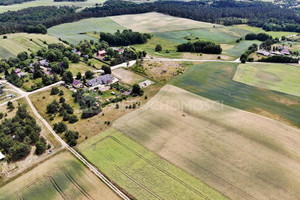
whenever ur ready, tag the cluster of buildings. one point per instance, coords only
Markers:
(103, 80)
(102, 53)
(283, 51)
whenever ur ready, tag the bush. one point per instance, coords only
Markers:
(158, 48)
(62, 100)
(60, 127)
(54, 91)
(73, 119)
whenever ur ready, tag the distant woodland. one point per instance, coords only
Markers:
(10, 2)
(260, 14)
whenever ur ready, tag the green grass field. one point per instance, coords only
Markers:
(278, 77)
(36, 3)
(60, 177)
(214, 81)
(18, 42)
(140, 172)
(240, 48)
(275, 34)
(221, 34)
(79, 67)
(75, 32)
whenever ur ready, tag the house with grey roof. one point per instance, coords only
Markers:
(102, 80)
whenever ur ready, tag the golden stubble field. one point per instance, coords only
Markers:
(241, 154)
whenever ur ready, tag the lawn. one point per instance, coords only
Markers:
(60, 177)
(140, 172)
(19, 42)
(76, 31)
(240, 154)
(278, 77)
(48, 3)
(127, 76)
(275, 34)
(157, 22)
(240, 48)
(79, 67)
(214, 81)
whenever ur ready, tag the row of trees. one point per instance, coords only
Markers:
(124, 38)
(244, 57)
(200, 47)
(260, 36)
(10, 2)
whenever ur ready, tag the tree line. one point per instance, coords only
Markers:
(10, 2)
(200, 47)
(124, 38)
(260, 14)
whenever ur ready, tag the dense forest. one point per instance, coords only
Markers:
(124, 38)
(261, 14)
(10, 2)
(200, 47)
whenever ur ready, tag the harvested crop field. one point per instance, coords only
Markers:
(214, 81)
(157, 22)
(241, 154)
(140, 172)
(61, 177)
(76, 31)
(19, 42)
(240, 48)
(278, 77)
(127, 76)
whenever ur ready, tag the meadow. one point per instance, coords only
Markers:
(76, 31)
(79, 67)
(140, 172)
(240, 154)
(239, 48)
(220, 34)
(19, 42)
(274, 34)
(278, 77)
(60, 177)
(36, 3)
(214, 81)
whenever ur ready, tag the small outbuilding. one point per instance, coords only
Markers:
(1, 156)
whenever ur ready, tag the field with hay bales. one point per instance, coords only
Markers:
(19, 42)
(278, 77)
(140, 172)
(240, 154)
(60, 177)
(214, 81)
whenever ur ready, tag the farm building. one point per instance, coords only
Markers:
(284, 50)
(263, 52)
(20, 73)
(1, 156)
(103, 80)
(101, 54)
(44, 63)
(77, 84)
